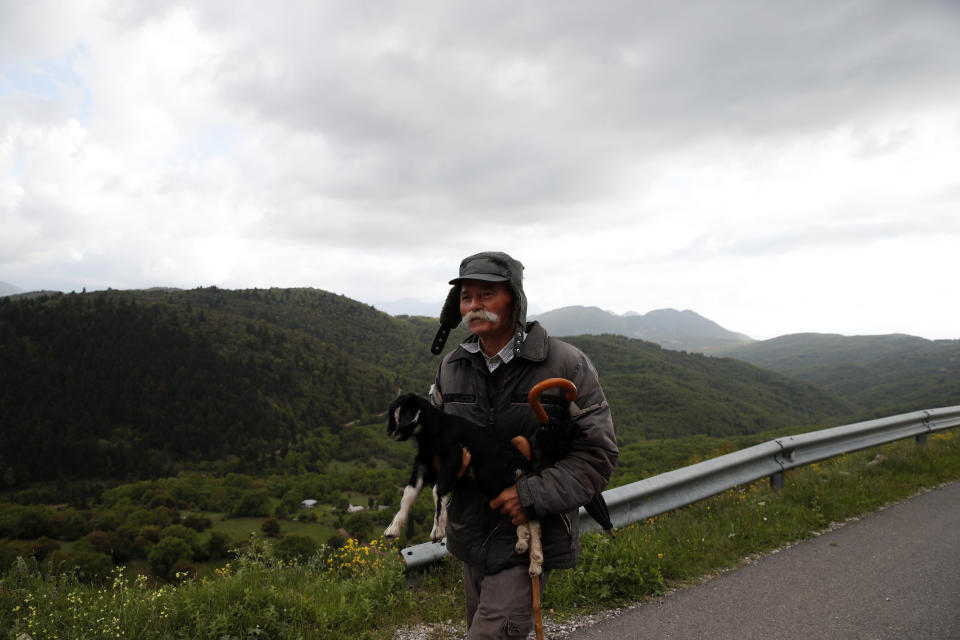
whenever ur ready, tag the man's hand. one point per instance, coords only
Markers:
(508, 503)
(464, 462)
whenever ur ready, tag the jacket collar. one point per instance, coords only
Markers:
(534, 348)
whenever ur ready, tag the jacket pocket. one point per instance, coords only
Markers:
(561, 541)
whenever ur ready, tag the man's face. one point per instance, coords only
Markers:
(493, 297)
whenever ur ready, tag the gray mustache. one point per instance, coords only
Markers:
(481, 314)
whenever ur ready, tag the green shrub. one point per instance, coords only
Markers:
(43, 547)
(166, 552)
(197, 522)
(294, 547)
(186, 534)
(28, 523)
(100, 542)
(141, 518)
(271, 528)
(10, 550)
(217, 545)
(181, 571)
(72, 524)
(87, 566)
(252, 504)
(335, 541)
(151, 533)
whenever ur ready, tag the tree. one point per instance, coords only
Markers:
(271, 528)
(90, 566)
(166, 552)
(252, 504)
(217, 545)
(197, 522)
(100, 542)
(43, 547)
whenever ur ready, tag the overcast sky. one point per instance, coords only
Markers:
(777, 167)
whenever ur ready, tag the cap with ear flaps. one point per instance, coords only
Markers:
(491, 266)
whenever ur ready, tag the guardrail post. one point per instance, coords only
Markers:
(776, 481)
(922, 437)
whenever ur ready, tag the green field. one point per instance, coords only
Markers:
(359, 590)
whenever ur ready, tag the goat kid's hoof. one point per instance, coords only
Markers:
(390, 532)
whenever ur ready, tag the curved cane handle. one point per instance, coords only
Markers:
(550, 383)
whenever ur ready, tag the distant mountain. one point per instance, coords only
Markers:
(7, 289)
(671, 329)
(885, 373)
(410, 307)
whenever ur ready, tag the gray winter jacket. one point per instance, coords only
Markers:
(480, 536)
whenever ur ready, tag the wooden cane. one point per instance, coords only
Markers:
(534, 399)
(523, 446)
(537, 614)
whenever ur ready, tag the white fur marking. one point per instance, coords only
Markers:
(536, 549)
(523, 538)
(439, 520)
(406, 503)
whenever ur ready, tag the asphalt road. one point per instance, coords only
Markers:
(891, 574)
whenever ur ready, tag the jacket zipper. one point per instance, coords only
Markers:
(484, 544)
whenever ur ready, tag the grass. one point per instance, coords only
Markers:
(240, 528)
(359, 591)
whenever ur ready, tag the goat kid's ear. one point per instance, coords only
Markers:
(393, 408)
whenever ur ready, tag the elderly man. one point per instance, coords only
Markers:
(486, 380)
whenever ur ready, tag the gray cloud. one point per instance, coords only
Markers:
(233, 140)
(822, 235)
(500, 107)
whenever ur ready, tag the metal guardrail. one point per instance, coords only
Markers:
(659, 494)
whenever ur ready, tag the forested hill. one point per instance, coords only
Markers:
(138, 383)
(119, 383)
(659, 393)
(887, 374)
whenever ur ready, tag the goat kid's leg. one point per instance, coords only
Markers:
(440, 516)
(536, 549)
(410, 494)
(523, 538)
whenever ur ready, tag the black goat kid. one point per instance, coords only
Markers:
(441, 437)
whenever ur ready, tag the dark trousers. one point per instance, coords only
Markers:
(499, 605)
